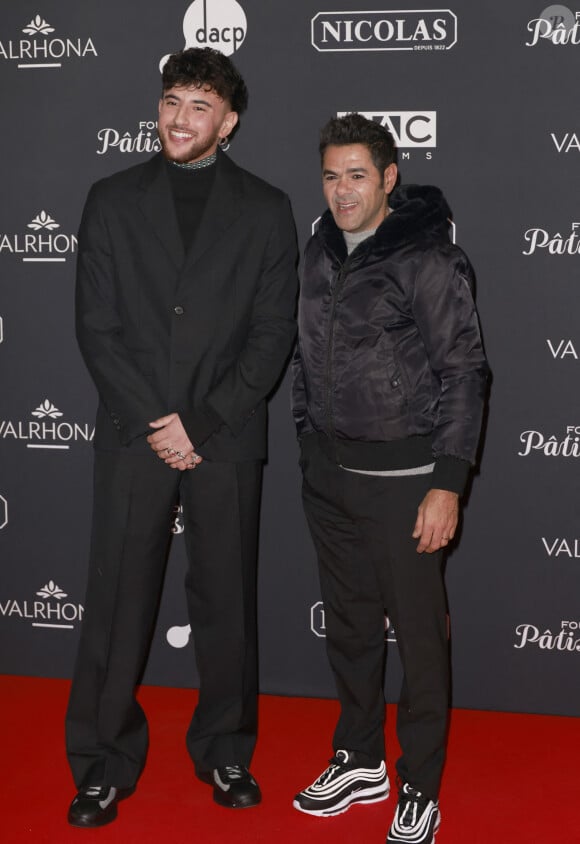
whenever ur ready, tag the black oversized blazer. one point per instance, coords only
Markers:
(162, 330)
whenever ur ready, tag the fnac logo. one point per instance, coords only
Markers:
(409, 129)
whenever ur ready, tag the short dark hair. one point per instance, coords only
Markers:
(206, 68)
(356, 129)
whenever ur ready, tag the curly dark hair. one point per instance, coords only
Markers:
(356, 129)
(209, 69)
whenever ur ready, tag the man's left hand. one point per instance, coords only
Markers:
(171, 443)
(437, 519)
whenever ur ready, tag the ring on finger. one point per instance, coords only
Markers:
(180, 454)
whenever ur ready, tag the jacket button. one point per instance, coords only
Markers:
(179, 310)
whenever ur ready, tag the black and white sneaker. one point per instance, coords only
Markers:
(416, 819)
(343, 783)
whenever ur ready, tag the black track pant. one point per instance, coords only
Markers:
(361, 526)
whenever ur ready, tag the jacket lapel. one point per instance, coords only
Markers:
(157, 205)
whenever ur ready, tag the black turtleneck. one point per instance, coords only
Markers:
(190, 189)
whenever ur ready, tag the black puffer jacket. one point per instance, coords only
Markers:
(389, 368)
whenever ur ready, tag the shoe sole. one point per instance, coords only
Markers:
(364, 796)
(221, 799)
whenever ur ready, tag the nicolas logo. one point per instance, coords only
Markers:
(46, 430)
(422, 29)
(220, 24)
(538, 239)
(142, 139)
(3, 512)
(48, 608)
(318, 623)
(42, 244)
(556, 25)
(44, 48)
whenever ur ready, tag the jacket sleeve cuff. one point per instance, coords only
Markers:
(200, 424)
(450, 473)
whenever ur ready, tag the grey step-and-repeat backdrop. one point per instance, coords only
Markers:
(480, 99)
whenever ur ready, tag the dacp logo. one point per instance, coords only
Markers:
(220, 24)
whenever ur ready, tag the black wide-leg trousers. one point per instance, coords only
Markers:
(361, 526)
(134, 497)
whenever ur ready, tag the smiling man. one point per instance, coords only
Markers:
(186, 290)
(388, 394)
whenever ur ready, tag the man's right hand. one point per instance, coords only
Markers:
(171, 443)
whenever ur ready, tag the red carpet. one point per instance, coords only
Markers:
(510, 778)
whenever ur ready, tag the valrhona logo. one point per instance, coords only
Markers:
(562, 349)
(560, 546)
(413, 29)
(567, 638)
(537, 442)
(318, 623)
(43, 243)
(556, 25)
(142, 139)
(43, 47)
(220, 24)
(566, 141)
(46, 430)
(538, 240)
(48, 608)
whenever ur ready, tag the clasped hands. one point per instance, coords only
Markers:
(171, 443)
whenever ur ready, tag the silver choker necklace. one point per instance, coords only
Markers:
(197, 165)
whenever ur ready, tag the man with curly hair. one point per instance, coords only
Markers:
(186, 289)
